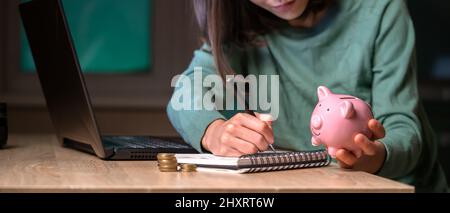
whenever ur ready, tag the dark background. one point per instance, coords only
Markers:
(432, 23)
(137, 108)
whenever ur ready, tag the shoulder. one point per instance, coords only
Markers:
(372, 8)
(369, 17)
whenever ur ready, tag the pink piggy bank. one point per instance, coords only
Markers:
(337, 119)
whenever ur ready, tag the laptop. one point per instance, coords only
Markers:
(66, 95)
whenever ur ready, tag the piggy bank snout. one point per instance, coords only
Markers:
(316, 122)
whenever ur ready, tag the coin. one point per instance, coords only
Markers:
(167, 159)
(167, 162)
(168, 166)
(167, 170)
(165, 156)
(189, 168)
(173, 161)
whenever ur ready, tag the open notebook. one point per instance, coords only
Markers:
(260, 162)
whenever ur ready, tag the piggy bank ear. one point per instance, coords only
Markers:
(323, 92)
(347, 109)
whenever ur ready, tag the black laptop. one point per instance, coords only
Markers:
(67, 97)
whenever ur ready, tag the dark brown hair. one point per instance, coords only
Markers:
(225, 23)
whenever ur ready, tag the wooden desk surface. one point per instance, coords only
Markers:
(37, 163)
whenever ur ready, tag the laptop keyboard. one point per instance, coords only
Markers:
(142, 142)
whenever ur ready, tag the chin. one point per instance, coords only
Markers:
(287, 10)
(289, 16)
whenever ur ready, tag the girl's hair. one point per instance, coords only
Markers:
(225, 23)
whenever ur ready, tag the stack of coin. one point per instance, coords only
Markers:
(188, 168)
(167, 162)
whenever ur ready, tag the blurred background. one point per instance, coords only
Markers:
(130, 51)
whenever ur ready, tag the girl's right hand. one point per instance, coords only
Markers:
(242, 134)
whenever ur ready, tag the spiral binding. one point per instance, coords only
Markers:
(263, 162)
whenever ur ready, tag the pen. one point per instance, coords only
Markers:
(247, 109)
(253, 113)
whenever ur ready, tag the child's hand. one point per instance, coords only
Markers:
(374, 152)
(242, 134)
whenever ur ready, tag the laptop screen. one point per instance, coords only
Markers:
(59, 72)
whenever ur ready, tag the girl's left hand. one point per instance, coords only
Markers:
(374, 152)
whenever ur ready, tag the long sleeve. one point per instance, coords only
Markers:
(192, 123)
(395, 94)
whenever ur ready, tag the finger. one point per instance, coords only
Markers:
(266, 118)
(260, 126)
(367, 146)
(346, 157)
(226, 149)
(231, 152)
(242, 146)
(377, 129)
(248, 136)
(343, 165)
(256, 125)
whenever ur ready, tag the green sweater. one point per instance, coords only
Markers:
(362, 48)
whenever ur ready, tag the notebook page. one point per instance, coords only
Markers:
(206, 159)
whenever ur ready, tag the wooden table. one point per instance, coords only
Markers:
(37, 163)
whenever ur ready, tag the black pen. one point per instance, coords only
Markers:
(247, 109)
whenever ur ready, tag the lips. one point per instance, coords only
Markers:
(284, 7)
(285, 3)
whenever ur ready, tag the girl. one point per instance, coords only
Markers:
(362, 48)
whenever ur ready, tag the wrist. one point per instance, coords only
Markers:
(209, 134)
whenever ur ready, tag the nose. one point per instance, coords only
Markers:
(316, 122)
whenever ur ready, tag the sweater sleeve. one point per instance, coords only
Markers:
(395, 95)
(191, 123)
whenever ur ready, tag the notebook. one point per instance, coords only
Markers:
(260, 162)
